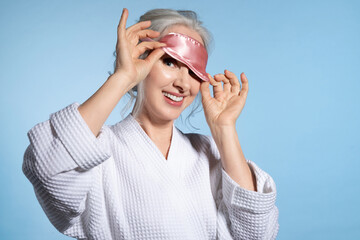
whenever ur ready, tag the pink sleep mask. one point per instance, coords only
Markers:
(186, 50)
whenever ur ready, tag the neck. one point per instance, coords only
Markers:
(160, 132)
(157, 131)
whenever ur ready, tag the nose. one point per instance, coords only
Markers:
(182, 81)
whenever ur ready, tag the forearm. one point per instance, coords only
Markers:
(98, 107)
(232, 156)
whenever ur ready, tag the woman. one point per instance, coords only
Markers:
(142, 178)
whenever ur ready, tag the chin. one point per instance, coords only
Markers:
(164, 112)
(170, 115)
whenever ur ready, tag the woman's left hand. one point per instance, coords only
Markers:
(225, 107)
(221, 112)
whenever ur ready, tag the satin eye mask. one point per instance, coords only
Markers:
(186, 50)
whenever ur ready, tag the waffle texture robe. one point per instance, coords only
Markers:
(119, 185)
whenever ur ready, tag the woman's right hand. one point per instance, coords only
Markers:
(128, 65)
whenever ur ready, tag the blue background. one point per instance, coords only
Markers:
(300, 122)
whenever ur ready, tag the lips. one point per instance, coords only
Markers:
(173, 97)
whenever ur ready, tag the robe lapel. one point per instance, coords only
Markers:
(147, 153)
(168, 173)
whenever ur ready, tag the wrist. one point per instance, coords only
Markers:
(223, 134)
(121, 81)
(221, 130)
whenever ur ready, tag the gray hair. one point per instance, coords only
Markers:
(161, 19)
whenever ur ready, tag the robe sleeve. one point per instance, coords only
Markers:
(246, 214)
(253, 215)
(61, 162)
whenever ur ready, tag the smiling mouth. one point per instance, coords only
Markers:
(172, 97)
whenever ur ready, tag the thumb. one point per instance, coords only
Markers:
(154, 56)
(205, 91)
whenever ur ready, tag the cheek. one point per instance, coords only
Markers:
(160, 76)
(168, 75)
(195, 87)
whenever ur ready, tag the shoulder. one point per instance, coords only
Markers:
(122, 127)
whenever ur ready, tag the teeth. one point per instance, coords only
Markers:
(172, 97)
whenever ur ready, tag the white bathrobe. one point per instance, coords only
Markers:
(119, 185)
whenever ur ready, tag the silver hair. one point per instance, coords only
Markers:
(161, 19)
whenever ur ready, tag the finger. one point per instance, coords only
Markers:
(139, 26)
(234, 81)
(154, 56)
(217, 86)
(147, 33)
(122, 23)
(222, 78)
(245, 86)
(205, 91)
(142, 47)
